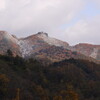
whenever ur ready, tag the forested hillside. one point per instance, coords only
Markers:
(71, 79)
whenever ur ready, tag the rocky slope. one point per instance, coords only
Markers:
(41, 46)
(8, 41)
(88, 50)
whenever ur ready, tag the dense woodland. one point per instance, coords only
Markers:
(71, 79)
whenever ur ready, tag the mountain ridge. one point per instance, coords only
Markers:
(42, 46)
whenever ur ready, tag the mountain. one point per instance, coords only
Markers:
(41, 46)
(37, 42)
(71, 75)
(88, 50)
(8, 41)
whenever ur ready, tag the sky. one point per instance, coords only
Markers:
(73, 21)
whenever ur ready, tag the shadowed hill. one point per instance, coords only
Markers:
(73, 79)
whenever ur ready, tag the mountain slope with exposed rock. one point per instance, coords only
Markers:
(8, 41)
(88, 50)
(41, 46)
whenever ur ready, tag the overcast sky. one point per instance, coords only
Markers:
(73, 21)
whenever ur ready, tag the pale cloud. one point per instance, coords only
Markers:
(24, 17)
(97, 2)
(2, 4)
(85, 31)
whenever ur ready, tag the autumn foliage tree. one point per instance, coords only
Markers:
(3, 86)
(9, 52)
(57, 98)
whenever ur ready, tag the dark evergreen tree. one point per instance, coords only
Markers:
(9, 52)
